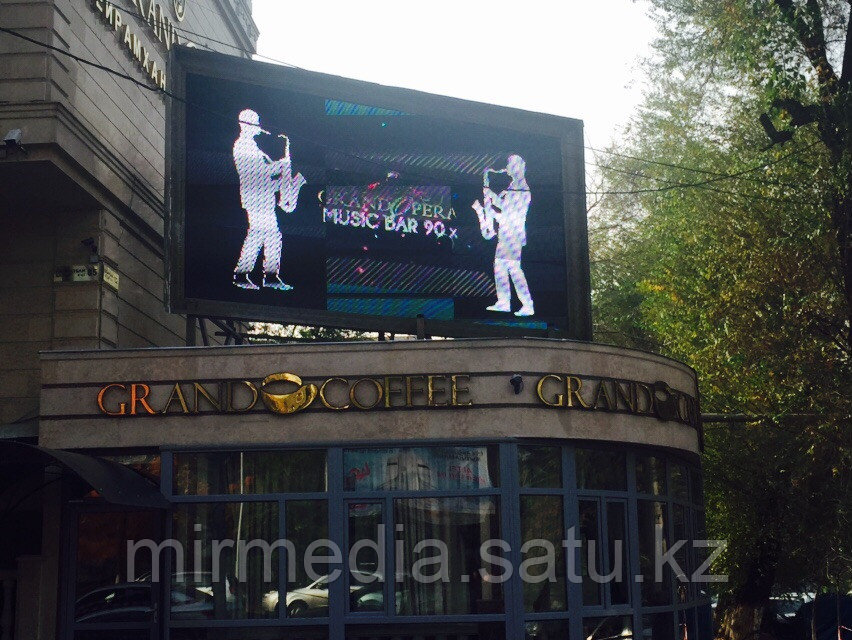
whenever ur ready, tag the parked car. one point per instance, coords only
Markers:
(134, 602)
(312, 599)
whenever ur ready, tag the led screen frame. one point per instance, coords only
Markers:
(568, 132)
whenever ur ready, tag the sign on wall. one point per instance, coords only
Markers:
(306, 198)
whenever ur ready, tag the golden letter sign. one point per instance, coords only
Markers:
(159, 26)
(566, 391)
(287, 393)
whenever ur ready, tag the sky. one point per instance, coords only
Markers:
(575, 58)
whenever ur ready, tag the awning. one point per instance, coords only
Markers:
(115, 483)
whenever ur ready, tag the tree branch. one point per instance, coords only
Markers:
(812, 38)
(800, 114)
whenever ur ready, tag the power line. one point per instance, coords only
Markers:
(90, 63)
(230, 45)
(747, 196)
(686, 168)
(588, 147)
(717, 176)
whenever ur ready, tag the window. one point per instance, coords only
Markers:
(601, 470)
(111, 584)
(680, 481)
(445, 631)
(249, 472)
(590, 552)
(233, 580)
(617, 540)
(653, 541)
(541, 520)
(307, 594)
(658, 626)
(608, 628)
(421, 468)
(451, 529)
(413, 521)
(651, 475)
(540, 466)
(367, 576)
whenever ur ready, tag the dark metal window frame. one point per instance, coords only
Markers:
(508, 495)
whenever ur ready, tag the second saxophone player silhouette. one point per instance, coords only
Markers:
(508, 210)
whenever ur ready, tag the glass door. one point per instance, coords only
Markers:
(113, 574)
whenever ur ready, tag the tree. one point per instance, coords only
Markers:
(729, 251)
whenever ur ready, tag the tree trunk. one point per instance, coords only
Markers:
(741, 621)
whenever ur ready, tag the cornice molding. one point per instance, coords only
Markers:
(141, 196)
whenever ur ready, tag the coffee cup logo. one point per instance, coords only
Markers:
(287, 403)
(180, 9)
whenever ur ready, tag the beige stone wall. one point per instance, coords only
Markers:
(71, 417)
(111, 127)
(94, 168)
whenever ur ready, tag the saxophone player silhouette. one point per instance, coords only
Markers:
(260, 178)
(508, 209)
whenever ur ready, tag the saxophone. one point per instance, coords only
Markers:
(485, 211)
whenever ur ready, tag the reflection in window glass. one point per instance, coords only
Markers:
(366, 579)
(249, 472)
(421, 468)
(541, 519)
(546, 630)
(616, 524)
(704, 624)
(236, 585)
(680, 490)
(540, 466)
(458, 526)
(590, 551)
(686, 623)
(126, 634)
(680, 530)
(104, 590)
(146, 465)
(609, 628)
(307, 596)
(653, 539)
(700, 554)
(601, 470)
(658, 626)
(444, 631)
(697, 488)
(651, 475)
(245, 633)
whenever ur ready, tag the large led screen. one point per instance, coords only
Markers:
(324, 201)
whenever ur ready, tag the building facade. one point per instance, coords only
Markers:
(82, 211)
(82, 191)
(472, 489)
(466, 489)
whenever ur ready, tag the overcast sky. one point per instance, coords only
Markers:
(575, 58)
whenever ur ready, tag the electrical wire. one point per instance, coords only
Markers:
(588, 146)
(230, 45)
(705, 187)
(717, 176)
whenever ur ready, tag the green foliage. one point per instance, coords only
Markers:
(740, 278)
(274, 333)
